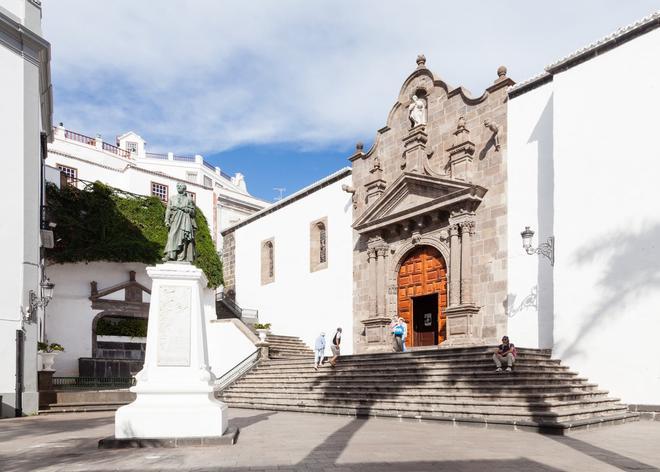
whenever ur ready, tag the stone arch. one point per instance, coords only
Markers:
(397, 259)
(112, 313)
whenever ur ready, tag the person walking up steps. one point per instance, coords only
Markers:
(336, 341)
(319, 350)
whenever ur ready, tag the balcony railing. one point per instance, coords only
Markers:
(81, 138)
(184, 158)
(114, 149)
(153, 155)
(92, 383)
(209, 165)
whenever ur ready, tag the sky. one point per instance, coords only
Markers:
(282, 90)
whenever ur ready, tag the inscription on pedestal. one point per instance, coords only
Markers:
(174, 326)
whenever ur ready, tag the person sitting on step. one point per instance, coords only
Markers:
(334, 347)
(505, 351)
(319, 351)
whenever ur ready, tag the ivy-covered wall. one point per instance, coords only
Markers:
(101, 223)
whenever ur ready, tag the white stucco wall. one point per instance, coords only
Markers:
(69, 315)
(605, 216)
(299, 302)
(20, 127)
(227, 345)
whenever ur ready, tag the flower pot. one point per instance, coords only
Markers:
(262, 334)
(48, 359)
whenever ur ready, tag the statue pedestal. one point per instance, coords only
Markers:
(175, 387)
(460, 326)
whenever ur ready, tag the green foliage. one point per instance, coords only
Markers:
(101, 223)
(133, 327)
(262, 326)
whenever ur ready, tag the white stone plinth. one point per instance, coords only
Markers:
(175, 387)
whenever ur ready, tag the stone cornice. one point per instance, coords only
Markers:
(36, 50)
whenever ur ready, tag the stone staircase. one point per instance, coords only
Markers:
(455, 384)
(288, 347)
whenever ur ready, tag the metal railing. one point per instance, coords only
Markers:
(92, 383)
(184, 158)
(237, 371)
(153, 155)
(209, 165)
(240, 313)
(116, 150)
(225, 175)
(81, 138)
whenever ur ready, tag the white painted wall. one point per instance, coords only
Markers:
(299, 302)
(606, 216)
(228, 345)
(69, 315)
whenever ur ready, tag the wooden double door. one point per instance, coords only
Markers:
(422, 296)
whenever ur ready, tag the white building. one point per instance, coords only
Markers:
(293, 262)
(25, 122)
(583, 166)
(126, 165)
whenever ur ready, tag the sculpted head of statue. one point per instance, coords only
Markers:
(181, 188)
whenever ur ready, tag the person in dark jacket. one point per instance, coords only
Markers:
(334, 347)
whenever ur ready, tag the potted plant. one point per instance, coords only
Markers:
(262, 330)
(48, 352)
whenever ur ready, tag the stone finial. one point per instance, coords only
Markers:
(421, 60)
(501, 73)
(359, 146)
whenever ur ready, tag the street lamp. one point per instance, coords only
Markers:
(47, 289)
(546, 249)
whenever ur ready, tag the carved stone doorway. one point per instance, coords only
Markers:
(423, 272)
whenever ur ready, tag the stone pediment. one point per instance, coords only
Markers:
(413, 195)
(131, 291)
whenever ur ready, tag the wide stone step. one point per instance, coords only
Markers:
(428, 375)
(389, 369)
(540, 417)
(404, 357)
(440, 396)
(427, 404)
(81, 407)
(419, 388)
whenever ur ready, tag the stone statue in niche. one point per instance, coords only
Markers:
(417, 111)
(376, 165)
(180, 220)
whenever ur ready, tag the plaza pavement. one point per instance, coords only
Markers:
(307, 442)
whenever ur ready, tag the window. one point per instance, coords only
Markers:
(69, 174)
(192, 196)
(267, 261)
(132, 146)
(208, 182)
(159, 190)
(318, 245)
(191, 176)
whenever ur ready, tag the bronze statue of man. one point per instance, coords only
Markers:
(180, 219)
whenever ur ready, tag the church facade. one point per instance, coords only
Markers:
(430, 217)
(441, 201)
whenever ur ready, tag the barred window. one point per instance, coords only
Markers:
(267, 262)
(70, 174)
(207, 181)
(318, 245)
(159, 190)
(131, 146)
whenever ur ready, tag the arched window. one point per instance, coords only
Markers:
(318, 245)
(267, 261)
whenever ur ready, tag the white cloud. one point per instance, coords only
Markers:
(203, 76)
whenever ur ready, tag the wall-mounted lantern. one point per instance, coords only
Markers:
(546, 249)
(47, 289)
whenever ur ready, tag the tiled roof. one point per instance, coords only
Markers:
(620, 36)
